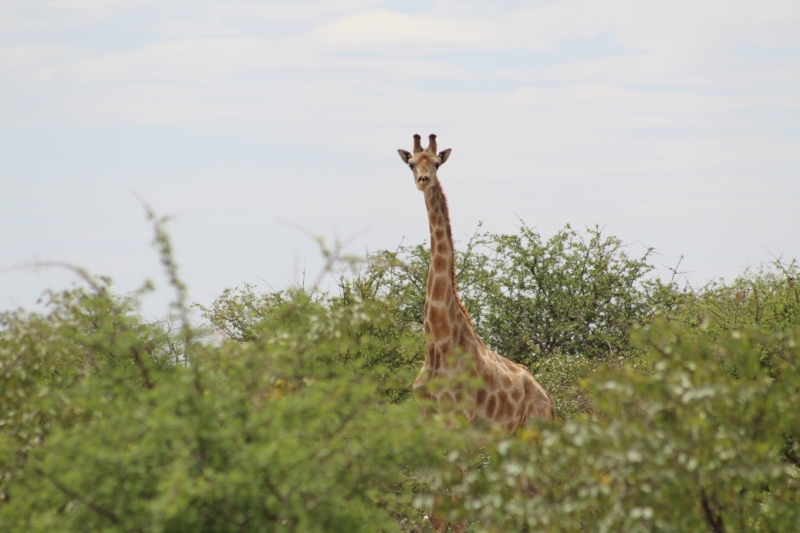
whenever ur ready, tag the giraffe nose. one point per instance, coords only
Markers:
(423, 179)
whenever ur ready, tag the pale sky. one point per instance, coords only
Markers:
(673, 124)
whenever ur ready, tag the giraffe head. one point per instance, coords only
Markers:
(424, 163)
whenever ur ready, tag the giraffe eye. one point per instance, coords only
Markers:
(437, 165)
(411, 166)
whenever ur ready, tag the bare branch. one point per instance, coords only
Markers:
(98, 284)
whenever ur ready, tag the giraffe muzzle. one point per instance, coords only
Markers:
(423, 179)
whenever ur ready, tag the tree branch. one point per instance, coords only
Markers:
(714, 520)
(77, 496)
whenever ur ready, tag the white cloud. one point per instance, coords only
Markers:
(96, 5)
(184, 60)
(19, 58)
(379, 28)
(599, 107)
(295, 10)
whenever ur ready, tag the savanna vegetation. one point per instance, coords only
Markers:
(290, 411)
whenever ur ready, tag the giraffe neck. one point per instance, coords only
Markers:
(447, 323)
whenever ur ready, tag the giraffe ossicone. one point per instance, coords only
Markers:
(508, 394)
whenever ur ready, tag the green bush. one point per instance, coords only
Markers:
(686, 447)
(558, 306)
(48, 362)
(678, 407)
(767, 297)
(274, 435)
(531, 299)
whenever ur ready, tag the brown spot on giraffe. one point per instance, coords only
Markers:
(439, 288)
(510, 393)
(439, 263)
(503, 405)
(491, 404)
(451, 314)
(440, 325)
(489, 379)
(480, 396)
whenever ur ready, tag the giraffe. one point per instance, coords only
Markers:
(509, 395)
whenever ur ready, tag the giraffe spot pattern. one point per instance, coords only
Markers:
(433, 355)
(488, 378)
(445, 348)
(516, 394)
(504, 408)
(510, 394)
(439, 322)
(491, 404)
(480, 397)
(439, 288)
(462, 337)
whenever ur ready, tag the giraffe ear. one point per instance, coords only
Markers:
(443, 155)
(404, 155)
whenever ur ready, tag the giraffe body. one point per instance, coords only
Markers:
(507, 394)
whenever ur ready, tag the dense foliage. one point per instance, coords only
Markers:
(284, 411)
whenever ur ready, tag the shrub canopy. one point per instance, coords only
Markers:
(677, 406)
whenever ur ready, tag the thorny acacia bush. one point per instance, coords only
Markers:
(300, 420)
(531, 299)
(706, 441)
(559, 306)
(103, 431)
(767, 297)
